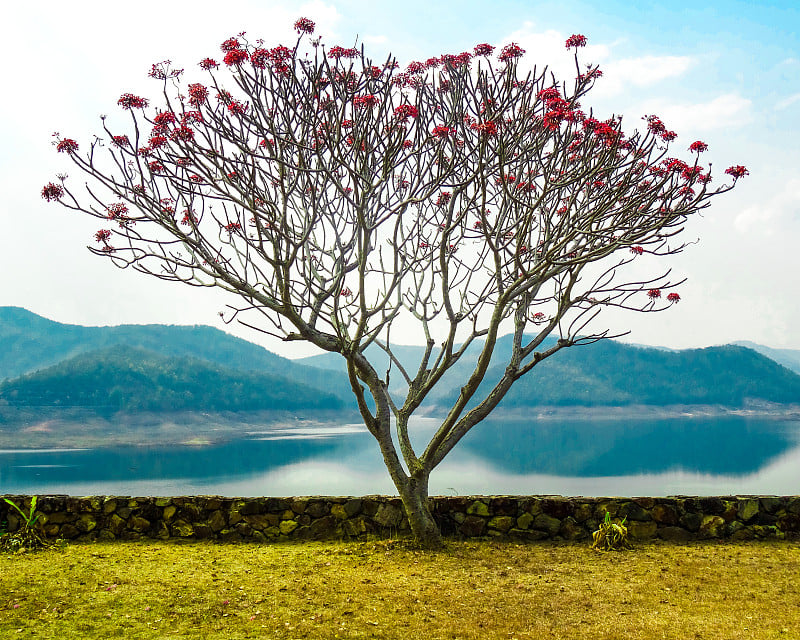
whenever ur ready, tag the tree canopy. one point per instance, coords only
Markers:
(340, 197)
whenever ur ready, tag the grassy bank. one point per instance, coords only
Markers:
(380, 590)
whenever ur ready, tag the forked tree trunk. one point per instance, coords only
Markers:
(415, 501)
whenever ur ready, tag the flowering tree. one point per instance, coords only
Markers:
(337, 197)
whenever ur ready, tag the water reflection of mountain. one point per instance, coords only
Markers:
(720, 445)
(346, 459)
(235, 458)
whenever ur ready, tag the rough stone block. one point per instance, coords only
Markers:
(182, 529)
(287, 526)
(557, 507)
(571, 530)
(473, 526)
(317, 509)
(748, 509)
(388, 515)
(216, 521)
(478, 508)
(691, 521)
(324, 527)
(501, 523)
(547, 523)
(524, 521)
(712, 527)
(665, 514)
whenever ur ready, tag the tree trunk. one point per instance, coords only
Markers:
(415, 501)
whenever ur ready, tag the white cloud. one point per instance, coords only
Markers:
(645, 71)
(770, 214)
(728, 110)
(546, 48)
(787, 102)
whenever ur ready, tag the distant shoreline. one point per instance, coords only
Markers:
(599, 412)
(76, 428)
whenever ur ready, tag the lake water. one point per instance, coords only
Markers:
(691, 456)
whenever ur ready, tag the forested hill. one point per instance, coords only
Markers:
(609, 373)
(29, 342)
(199, 367)
(121, 378)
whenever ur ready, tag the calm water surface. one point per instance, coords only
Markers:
(696, 456)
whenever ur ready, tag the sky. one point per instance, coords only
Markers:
(723, 71)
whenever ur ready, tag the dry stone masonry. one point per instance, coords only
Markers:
(678, 518)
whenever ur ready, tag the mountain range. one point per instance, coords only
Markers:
(178, 368)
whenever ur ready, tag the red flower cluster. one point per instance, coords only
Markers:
(231, 44)
(346, 293)
(674, 165)
(443, 199)
(511, 51)
(591, 74)
(155, 166)
(415, 67)
(208, 63)
(104, 235)
(737, 171)
(68, 145)
(440, 131)
(549, 94)
(156, 141)
(654, 293)
(538, 317)
(698, 146)
(235, 57)
(237, 108)
(483, 49)
(304, 25)
(637, 250)
(406, 111)
(116, 211)
(120, 141)
(576, 40)
(130, 101)
(232, 226)
(197, 94)
(52, 192)
(191, 116)
(462, 59)
(674, 297)
(183, 133)
(487, 129)
(277, 56)
(340, 52)
(164, 118)
(657, 127)
(368, 101)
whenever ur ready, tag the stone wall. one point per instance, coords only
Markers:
(503, 517)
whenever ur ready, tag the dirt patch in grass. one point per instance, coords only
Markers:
(470, 590)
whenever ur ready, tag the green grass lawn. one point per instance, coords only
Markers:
(161, 590)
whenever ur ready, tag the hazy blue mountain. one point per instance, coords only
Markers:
(611, 373)
(123, 378)
(789, 358)
(29, 342)
(605, 373)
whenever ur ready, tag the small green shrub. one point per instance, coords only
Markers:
(611, 536)
(26, 537)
